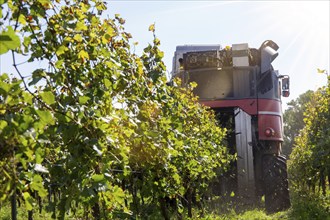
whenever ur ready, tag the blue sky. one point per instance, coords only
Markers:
(300, 28)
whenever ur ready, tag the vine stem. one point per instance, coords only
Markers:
(13, 196)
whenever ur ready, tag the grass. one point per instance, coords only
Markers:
(255, 214)
(304, 206)
(22, 213)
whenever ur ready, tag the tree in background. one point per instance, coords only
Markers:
(309, 164)
(293, 119)
(98, 131)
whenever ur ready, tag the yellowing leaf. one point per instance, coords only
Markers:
(100, 6)
(61, 50)
(3, 124)
(83, 55)
(110, 31)
(193, 84)
(232, 194)
(43, 1)
(104, 39)
(95, 20)
(81, 26)
(107, 82)
(77, 37)
(59, 64)
(21, 19)
(321, 71)
(152, 27)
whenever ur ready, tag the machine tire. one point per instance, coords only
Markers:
(275, 180)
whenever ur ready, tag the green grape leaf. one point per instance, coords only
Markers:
(83, 100)
(28, 201)
(48, 97)
(37, 185)
(98, 177)
(45, 117)
(9, 40)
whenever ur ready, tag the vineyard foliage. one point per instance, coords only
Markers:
(293, 119)
(98, 130)
(309, 163)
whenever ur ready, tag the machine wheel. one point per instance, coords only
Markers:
(275, 180)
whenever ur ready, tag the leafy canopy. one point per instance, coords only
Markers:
(310, 159)
(99, 124)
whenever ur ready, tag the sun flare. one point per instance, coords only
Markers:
(305, 24)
